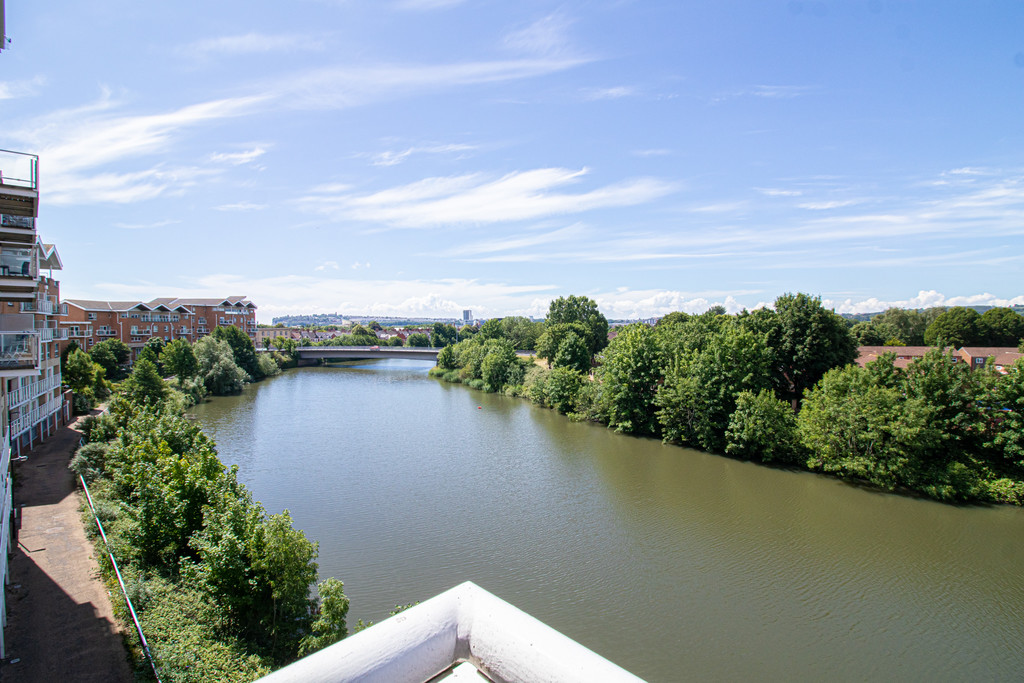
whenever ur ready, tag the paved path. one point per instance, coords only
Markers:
(61, 626)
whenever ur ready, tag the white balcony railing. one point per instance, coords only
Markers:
(34, 389)
(31, 418)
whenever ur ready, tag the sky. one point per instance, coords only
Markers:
(421, 157)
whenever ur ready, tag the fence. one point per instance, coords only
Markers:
(120, 580)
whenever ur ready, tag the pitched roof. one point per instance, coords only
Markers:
(89, 305)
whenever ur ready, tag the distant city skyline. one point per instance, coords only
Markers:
(426, 157)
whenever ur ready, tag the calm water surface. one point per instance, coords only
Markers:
(674, 564)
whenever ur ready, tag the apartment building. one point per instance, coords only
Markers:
(33, 403)
(134, 322)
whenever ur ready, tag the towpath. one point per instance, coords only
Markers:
(61, 626)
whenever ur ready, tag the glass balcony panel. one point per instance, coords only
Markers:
(19, 351)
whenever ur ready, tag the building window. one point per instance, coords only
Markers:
(90, 316)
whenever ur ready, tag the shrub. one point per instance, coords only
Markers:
(89, 461)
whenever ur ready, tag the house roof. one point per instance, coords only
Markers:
(89, 305)
(1003, 355)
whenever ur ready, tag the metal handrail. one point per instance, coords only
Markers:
(120, 580)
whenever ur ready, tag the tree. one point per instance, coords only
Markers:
(467, 331)
(762, 427)
(807, 341)
(442, 335)
(329, 626)
(492, 329)
(242, 348)
(551, 340)
(856, 429)
(1001, 326)
(562, 389)
(144, 385)
(573, 353)
(500, 366)
(580, 309)
(217, 367)
(446, 358)
(699, 393)
(179, 359)
(112, 355)
(956, 327)
(629, 374)
(417, 339)
(65, 352)
(903, 324)
(80, 371)
(522, 332)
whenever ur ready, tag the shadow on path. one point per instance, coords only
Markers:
(61, 625)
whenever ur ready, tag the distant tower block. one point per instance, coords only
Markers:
(467, 315)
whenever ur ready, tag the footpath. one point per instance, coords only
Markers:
(61, 626)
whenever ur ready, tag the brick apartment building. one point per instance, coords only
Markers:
(33, 403)
(134, 322)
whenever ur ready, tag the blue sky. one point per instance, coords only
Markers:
(397, 157)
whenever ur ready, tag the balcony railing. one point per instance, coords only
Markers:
(16, 263)
(19, 350)
(27, 392)
(11, 221)
(27, 420)
(52, 333)
(19, 169)
(45, 307)
(106, 333)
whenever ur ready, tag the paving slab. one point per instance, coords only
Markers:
(61, 625)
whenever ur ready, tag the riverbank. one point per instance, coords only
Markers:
(62, 625)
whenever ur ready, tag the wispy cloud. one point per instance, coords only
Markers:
(10, 90)
(518, 241)
(241, 206)
(328, 265)
(424, 5)
(474, 199)
(253, 43)
(778, 192)
(238, 158)
(611, 93)
(395, 157)
(823, 206)
(548, 36)
(146, 226)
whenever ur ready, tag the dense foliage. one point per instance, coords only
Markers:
(222, 587)
(779, 385)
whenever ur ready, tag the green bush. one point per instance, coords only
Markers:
(89, 461)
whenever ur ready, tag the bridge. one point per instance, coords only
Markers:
(366, 353)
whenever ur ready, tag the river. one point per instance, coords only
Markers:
(674, 564)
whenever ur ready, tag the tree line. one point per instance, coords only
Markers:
(222, 587)
(775, 385)
(218, 364)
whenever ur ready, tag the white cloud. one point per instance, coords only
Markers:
(923, 299)
(238, 158)
(10, 90)
(146, 226)
(777, 192)
(547, 36)
(612, 93)
(241, 206)
(395, 157)
(332, 265)
(824, 206)
(253, 43)
(522, 195)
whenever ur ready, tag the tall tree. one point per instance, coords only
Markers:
(1001, 326)
(631, 368)
(179, 359)
(956, 327)
(442, 335)
(808, 340)
(242, 348)
(583, 310)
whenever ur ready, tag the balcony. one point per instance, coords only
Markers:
(19, 351)
(106, 333)
(31, 418)
(52, 333)
(16, 262)
(32, 390)
(45, 307)
(19, 192)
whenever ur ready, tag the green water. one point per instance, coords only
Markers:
(674, 564)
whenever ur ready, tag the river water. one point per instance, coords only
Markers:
(674, 564)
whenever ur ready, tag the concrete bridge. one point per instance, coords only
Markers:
(310, 353)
